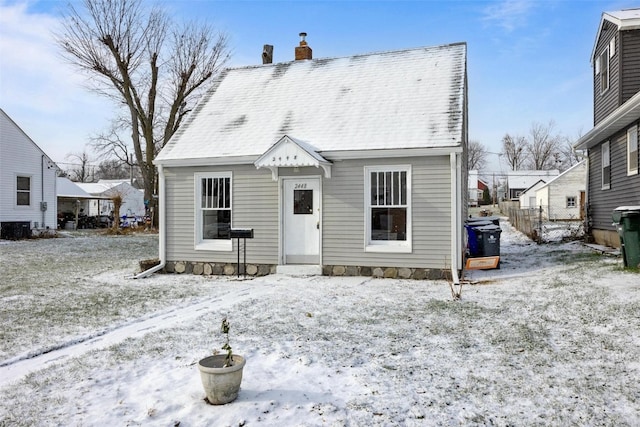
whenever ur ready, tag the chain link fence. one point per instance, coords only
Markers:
(546, 224)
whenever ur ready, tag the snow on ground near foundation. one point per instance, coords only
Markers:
(551, 338)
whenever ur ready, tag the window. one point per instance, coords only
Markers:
(23, 191)
(213, 211)
(604, 70)
(606, 166)
(632, 150)
(388, 209)
(571, 202)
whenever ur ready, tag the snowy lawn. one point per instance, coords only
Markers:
(552, 338)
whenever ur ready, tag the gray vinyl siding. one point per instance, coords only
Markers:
(604, 103)
(625, 190)
(630, 63)
(254, 205)
(344, 215)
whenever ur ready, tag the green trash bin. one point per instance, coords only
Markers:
(627, 222)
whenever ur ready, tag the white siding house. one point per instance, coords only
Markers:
(341, 166)
(528, 197)
(27, 183)
(563, 197)
(132, 198)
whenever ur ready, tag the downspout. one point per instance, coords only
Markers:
(162, 225)
(42, 190)
(456, 189)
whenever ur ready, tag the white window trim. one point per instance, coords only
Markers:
(575, 202)
(15, 191)
(603, 165)
(200, 244)
(632, 137)
(386, 246)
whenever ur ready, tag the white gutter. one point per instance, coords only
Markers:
(456, 190)
(162, 224)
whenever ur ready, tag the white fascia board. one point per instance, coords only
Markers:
(386, 153)
(626, 114)
(208, 161)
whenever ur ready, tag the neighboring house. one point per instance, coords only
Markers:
(476, 188)
(351, 165)
(518, 181)
(132, 198)
(72, 202)
(528, 197)
(27, 183)
(612, 144)
(563, 197)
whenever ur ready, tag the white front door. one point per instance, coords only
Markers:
(301, 220)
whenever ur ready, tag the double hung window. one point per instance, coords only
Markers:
(23, 191)
(388, 208)
(213, 211)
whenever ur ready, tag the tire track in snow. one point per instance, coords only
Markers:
(14, 370)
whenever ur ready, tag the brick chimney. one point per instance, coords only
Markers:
(303, 51)
(267, 54)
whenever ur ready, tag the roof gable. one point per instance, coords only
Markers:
(412, 98)
(628, 19)
(293, 153)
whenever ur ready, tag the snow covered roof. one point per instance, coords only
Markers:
(580, 167)
(67, 188)
(527, 178)
(103, 186)
(628, 19)
(414, 98)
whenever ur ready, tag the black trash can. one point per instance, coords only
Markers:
(627, 222)
(489, 236)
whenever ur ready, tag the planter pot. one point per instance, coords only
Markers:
(221, 384)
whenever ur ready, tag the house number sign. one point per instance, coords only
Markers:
(300, 186)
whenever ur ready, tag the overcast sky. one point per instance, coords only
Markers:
(528, 61)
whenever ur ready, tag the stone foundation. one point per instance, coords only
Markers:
(254, 270)
(386, 272)
(217, 269)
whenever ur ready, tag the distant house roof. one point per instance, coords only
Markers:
(71, 190)
(103, 186)
(526, 178)
(411, 98)
(580, 165)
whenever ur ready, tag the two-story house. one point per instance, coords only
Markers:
(612, 144)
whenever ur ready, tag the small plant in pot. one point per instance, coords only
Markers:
(221, 374)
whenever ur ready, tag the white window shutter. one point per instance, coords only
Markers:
(598, 65)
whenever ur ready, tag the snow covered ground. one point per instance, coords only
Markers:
(551, 338)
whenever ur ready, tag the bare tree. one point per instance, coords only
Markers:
(81, 170)
(543, 147)
(514, 150)
(151, 67)
(112, 169)
(476, 155)
(569, 155)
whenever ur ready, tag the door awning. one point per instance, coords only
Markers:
(289, 152)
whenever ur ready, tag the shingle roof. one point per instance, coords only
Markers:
(413, 98)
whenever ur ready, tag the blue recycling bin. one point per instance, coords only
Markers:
(473, 237)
